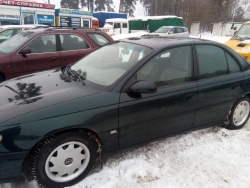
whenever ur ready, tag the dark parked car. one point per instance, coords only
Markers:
(42, 49)
(56, 124)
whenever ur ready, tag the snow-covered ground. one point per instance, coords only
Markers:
(213, 157)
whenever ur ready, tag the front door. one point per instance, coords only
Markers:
(171, 109)
(43, 56)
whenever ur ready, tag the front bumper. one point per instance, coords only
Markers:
(11, 165)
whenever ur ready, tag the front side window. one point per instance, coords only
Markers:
(173, 66)
(211, 61)
(73, 42)
(107, 64)
(14, 42)
(98, 39)
(125, 25)
(43, 44)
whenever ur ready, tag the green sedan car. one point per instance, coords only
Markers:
(57, 124)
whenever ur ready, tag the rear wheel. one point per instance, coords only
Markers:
(64, 160)
(239, 114)
(1, 78)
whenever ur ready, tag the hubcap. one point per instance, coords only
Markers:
(241, 113)
(67, 161)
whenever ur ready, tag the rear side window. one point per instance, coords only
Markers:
(211, 60)
(73, 42)
(98, 39)
(179, 30)
(232, 64)
(125, 25)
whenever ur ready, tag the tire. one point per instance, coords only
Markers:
(1, 78)
(64, 160)
(239, 114)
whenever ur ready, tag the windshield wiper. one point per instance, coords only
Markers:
(240, 38)
(81, 77)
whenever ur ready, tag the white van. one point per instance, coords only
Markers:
(116, 26)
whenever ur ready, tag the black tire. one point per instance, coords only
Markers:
(63, 150)
(1, 78)
(239, 114)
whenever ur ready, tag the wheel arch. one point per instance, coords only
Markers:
(26, 163)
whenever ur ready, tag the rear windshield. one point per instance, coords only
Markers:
(15, 42)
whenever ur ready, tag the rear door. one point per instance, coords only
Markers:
(221, 83)
(73, 48)
(44, 55)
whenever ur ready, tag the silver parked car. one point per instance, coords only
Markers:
(175, 31)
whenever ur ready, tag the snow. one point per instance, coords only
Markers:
(145, 18)
(212, 157)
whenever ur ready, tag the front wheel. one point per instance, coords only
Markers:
(64, 160)
(239, 114)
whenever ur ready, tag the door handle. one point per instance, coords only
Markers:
(188, 97)
(54, 58)
(235, 87)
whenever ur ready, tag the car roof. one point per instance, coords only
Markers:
(157, 42)
(173, 26)
(19, 26)
(62, 30)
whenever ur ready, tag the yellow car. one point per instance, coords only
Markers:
(240, 42)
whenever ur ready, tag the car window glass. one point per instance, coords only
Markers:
(98, 39)
(211, 61)
(42, 44)
(120, 57)
(232, 64)
(172, 31)
(179, 30)
(117, 25)
(173, 66)
(73, 42)
(14, 42)
(125, 25)
(6, 34)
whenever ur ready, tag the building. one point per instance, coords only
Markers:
(14, 12)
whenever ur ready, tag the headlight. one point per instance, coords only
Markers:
(1, 138)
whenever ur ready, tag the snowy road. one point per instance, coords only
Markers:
(213, 157)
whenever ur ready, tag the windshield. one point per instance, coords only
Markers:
(163, 30)
(243, 33)
(107, 64)
(14, 42)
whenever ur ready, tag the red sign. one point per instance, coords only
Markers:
(26, 4)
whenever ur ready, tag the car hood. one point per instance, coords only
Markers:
(30, 93)
(242, 47)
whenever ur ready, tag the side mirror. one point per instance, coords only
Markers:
(25, 51)
(143, 87)
(170, 32)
